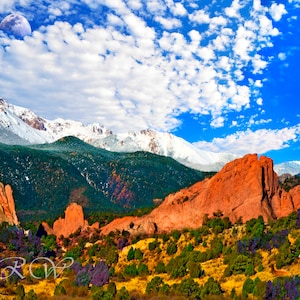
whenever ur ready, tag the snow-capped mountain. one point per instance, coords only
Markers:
(165, 144)
(289, 167)
(19, 125)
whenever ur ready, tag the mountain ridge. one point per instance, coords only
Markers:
(52, 175)
(21, 126)
(28, 128)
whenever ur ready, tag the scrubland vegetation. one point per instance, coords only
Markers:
(219, 260)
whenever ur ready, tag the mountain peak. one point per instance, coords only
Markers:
(245, 188)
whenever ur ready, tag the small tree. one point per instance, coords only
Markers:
(247, 287)
(130, 255)
(172, 248)
(160, 268)
(138, 254)
(154, 285)
(20, 292)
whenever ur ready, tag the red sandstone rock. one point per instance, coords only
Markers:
(74, 219)
(7, 205)
(246, 187)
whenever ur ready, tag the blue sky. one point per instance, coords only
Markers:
(220, 74)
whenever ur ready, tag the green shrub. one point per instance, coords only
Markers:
(153, 245)
(188, 287)
(211, 287)
(172, 248)
(122, 294)
(160, 268)
(59, 290)
(138, 254)
(247, 287)
(112, 288)
(20, 292)
(142, 269)
(195, 269)
(176, 235)
(131, 270)
(250, 270)
(154, 285)
(131, 253)
(31, 295)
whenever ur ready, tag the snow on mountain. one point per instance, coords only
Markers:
(289, 167)
(19, 125)
(28, 128)
(165, 144)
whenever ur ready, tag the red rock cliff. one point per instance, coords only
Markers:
(7, 205)
(74, 219)
(246, 187)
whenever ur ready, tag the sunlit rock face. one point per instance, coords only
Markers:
(245, 188)
(73, 220)
(7, 205)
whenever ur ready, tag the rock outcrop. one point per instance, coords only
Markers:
(246, 187)
(74, 220)
(7, 205)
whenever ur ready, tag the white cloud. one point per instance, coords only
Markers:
(233, 10)
(129, 74)
(200, 17)
(178, 9)
(168, 23)
(259, 101)
(134, 4)
(248, 141)
(217, 122)
(282, 56)
(277, 11)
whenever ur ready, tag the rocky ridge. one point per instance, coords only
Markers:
(7, 205)
(246, 187)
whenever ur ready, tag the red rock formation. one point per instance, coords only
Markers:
(246, 187)
(74, 219)
(7, 205)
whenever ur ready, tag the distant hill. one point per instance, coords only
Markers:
(46, 177)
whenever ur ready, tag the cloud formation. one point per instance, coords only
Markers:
(259, 141)
(130, 64)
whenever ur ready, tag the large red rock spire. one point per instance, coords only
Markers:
(7, 205)
(246, 187)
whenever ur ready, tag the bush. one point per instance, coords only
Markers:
(172, 248)
(249, 270)
(160, 268)
(176, 235)
(211, 287)
(131, 270)
(195, 269)
(122, 294)
(248, 287)
(188, 287)
(130, 255)
(142, 269)
(153, 245)
(31, 295)
(97, 275)
(112, 288)
(138, 254)
(20, 292)
(154, 285)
